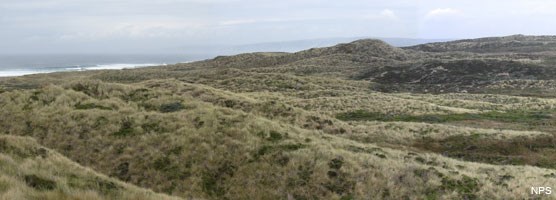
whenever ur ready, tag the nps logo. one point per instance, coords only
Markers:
(541, 190)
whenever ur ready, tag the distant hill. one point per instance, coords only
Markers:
(295, 45)
(408, 69)
(513, 43)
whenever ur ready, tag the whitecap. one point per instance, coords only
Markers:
(21, 72)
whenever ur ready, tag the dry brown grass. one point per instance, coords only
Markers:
(30, 171)
(264, 126)
(217, 139)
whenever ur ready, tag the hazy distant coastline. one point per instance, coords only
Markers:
(22, 72)
(24, 64)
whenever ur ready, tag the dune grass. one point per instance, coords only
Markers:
(30, 171)
(270, 126)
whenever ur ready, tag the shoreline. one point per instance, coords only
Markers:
(117, 66)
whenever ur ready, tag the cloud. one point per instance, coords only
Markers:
(249, 21)
(387, 13)
(269, 20)
(442, 12)
(137, 27)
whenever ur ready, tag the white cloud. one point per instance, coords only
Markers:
(382, 15)
(249, 21)
(268, 20)
(47, 22)
(442, 12)
(387, 13)
(128, 27)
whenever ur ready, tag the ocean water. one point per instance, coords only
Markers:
(21, 64)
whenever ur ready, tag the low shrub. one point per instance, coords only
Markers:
(171, 107)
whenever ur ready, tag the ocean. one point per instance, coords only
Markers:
(21, 64)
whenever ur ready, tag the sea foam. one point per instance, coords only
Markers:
(22, 72)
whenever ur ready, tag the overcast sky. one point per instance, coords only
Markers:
(52, 26)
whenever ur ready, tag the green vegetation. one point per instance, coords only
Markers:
(30, 171)
(171, 107)
(275, 136)
(466, 186)
(91, 106)
(508, 116)
(126, 128)
(537, 151)
(316, 124)
(39, 183)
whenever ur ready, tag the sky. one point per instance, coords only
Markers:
(118, 26)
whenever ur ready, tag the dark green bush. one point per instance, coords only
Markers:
(466, 187)
(336, 163)
(275, 136)
(126, 129)
(39, 183)
(171, 107)
(88, 106)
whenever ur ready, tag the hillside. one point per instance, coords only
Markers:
(361, 120)
(31, 171)
(513, 43)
